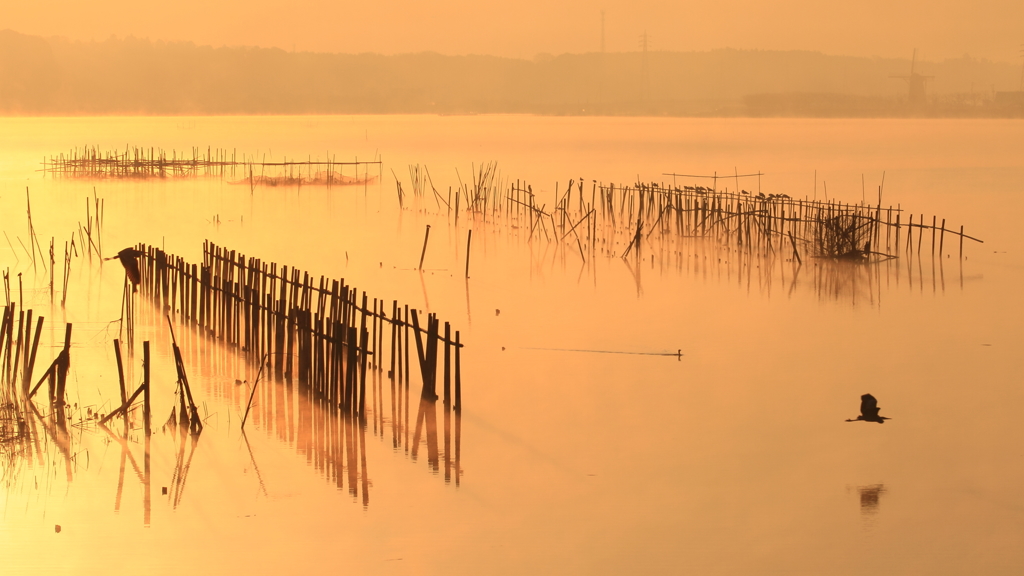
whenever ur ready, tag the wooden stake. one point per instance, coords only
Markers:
(469, 244)
(458, 380)
(423, 254)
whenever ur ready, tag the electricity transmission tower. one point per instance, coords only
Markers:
(645, 78)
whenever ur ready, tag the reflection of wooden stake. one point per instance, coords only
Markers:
(147, 498)
(120, 481)
(430, 422)
(362, 461)
(447, 443)
(423, 254)
(253, 393)
(145, 394)
(458, 441)
(419, 426)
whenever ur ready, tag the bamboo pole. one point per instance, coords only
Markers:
(423, 253)
(469, 244)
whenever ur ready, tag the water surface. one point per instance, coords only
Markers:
(733, 458)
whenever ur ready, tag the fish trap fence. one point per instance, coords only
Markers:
(647, 213)
(138, 163)
(322, 333)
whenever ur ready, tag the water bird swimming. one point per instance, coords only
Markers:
(869, 410)
(129, 258)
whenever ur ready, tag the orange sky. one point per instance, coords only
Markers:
(522, 28)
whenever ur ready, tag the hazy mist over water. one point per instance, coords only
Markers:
(733, 458)
(796, 58)
(131, 76)
(944, 29)
(631, 401)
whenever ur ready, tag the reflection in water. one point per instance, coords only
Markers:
(49, 431)
(427, 416)
(850, 247)
(182, 465)
(27, 431)
(681, 481)
(636, 276)
(55, 426)
(317, 342)
(126, 456)
(869, 496)
(255, 466)
(829, 279)
(332, 439)
(728, 255)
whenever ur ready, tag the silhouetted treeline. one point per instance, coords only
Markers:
(133, 76)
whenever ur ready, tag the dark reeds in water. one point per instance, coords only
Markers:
(631, 220)
(19, 345)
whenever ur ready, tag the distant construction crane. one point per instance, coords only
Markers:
(916, 83)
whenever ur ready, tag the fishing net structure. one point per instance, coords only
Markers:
(846, 236)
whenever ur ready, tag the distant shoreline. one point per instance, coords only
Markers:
(57, 77)
(117, 114)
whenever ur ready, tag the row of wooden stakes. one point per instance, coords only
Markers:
(142, 163)
(653, 213)
(323, 335)
(19, 344)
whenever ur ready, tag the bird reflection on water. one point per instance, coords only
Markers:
(869, 498)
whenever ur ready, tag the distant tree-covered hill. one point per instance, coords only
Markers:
(134, 76)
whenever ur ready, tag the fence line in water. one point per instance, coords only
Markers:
(318, 333)
(143, 163)
(773, 224)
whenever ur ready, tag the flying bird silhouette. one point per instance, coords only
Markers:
(869, 411)
(129, 258)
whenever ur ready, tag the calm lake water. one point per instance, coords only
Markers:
(731, 459)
